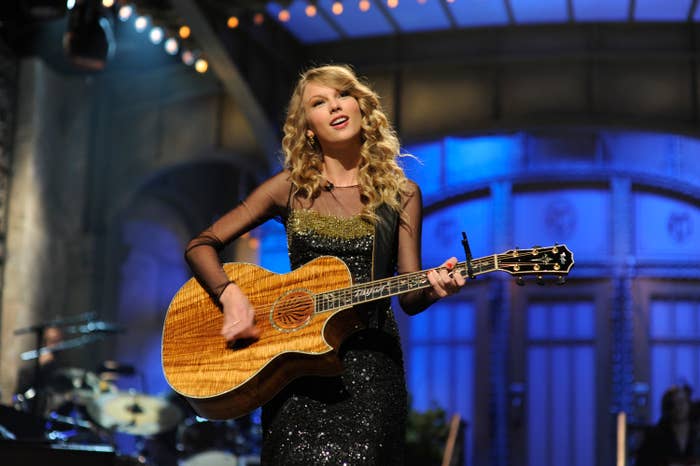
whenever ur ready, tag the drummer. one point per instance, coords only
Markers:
(34, 381)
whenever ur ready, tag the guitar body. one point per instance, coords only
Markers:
(221, 381)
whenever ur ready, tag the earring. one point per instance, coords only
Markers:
(310, 139)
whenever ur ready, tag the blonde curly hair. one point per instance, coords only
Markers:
(381, 179)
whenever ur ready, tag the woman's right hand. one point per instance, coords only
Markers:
(239, 315)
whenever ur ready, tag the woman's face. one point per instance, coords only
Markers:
(334, 116)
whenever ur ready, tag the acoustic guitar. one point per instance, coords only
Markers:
(303, 315)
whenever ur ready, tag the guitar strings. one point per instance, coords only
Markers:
(346, 293)
(332, 297)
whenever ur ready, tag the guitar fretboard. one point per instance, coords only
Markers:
(400, 284)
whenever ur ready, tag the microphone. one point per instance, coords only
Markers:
(329, 186)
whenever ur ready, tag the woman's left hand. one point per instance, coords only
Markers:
(445, 280)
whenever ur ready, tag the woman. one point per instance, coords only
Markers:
(672, 441)
(341, 193)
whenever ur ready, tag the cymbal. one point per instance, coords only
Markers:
(134, 413)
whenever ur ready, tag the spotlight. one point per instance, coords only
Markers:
(42, 9)
(89, 40)
(156, 35)
(125, 12)
(141, 23)
(171, 46)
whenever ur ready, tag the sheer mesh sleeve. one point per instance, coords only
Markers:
(202, 253)
(409, 250)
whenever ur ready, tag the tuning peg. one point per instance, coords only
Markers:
(540, 280)
(519, 281)
(561, 280)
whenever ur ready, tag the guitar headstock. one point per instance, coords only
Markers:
(548, 260)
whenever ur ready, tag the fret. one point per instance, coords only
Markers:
(515, 262)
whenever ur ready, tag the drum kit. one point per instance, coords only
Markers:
(74, 406)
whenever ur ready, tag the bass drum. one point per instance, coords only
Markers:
(207, 443)
(210, 458)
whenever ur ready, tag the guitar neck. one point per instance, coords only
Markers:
(392, 286)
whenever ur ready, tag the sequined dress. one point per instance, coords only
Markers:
(357, 418)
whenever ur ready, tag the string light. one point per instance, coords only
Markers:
(108, 3)
(258, 19)
(141, 23)
(125, 12)
(337, 8)
(156, 35)
(310, 10)
(392, 3)
(232, 22)
(184, 32)
(187, 57)
(171, 46)
(364, 5)
(284, 15)
(201, 65)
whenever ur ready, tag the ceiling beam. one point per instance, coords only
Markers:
(631, 10)
(448, 13)
(691, 10)
(332, 22)
(231, 78)
(509, 11)
(389, 17)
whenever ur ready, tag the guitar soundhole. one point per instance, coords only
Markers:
(293, 310)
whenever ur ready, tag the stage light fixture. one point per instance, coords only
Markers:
(89, 39)
(43, 9)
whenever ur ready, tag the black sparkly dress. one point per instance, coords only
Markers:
(359, 417)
